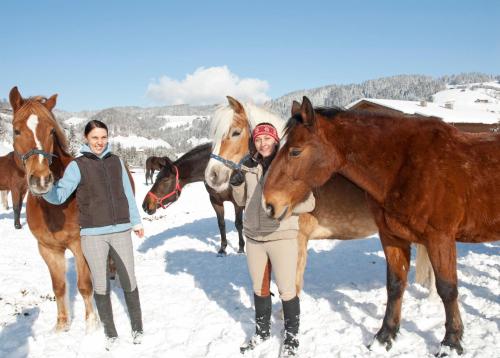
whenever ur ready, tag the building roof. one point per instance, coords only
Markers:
(460, 113)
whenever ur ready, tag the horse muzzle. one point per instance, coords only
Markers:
(217, 176)
(40, 185)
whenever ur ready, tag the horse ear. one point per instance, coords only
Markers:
(295, 108)
(307, 112)
(235, 104)
(51, 102)
(15, 98)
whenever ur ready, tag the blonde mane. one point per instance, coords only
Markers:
(223, 118)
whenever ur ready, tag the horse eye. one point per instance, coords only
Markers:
(294, 152)
(16, 132)
(235, 133)
(53, 131)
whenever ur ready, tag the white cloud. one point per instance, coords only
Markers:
(208, 86)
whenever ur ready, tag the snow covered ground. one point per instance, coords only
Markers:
(196, 304)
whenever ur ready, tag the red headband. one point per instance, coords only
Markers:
(267, 129)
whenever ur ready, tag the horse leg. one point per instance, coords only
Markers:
(397, 254)
(17, 204)
(238, 213)
(302, 241)
(56, 262)
(147, 172)
(306, 225)
(84, 283)
(443, 256)
(219, 210)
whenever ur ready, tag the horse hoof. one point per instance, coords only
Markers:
(61, 327)
(241, 251)
(91, 323)
(447, 351)
(221, 253)
(17, 226)
(379, 345)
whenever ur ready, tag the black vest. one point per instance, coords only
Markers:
(100, 195)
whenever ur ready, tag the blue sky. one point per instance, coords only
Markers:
(98, 54)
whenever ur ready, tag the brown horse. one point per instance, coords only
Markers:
(153, 163)
(12, 179)
(187, 169)
(41, 148)
(427, 183)
(341, 210)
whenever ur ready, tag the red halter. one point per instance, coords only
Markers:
(177, 191)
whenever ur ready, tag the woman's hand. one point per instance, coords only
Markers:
(139, 232)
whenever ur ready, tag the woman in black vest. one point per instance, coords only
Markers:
(108, 214)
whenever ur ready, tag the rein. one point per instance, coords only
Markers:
(46, 155)
(233, 165)
(176, 191)
(227, 162)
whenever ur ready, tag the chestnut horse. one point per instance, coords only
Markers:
(41, 152)
(190, 168)
(341, 210)
(12, 179)
(427, 182)
(153, 163)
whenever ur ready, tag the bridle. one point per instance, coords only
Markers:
(43, 153)
(176, 191)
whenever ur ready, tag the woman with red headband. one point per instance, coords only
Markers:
(271, 244)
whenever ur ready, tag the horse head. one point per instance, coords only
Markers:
(231, 133)
(165, 190)
(300, 164)
(37, 139)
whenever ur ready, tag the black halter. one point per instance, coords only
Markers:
(46, 155)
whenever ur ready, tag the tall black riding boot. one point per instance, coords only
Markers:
(263, 307)
(103, 304)
(291, 312)
(135, 314)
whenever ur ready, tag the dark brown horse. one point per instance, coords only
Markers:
(427, 183)
(153, 163)
(41, 148)
(12, 179)
(187, 169)
(341, 210)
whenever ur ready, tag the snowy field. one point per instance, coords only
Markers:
(196, 304)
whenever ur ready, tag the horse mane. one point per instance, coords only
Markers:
(36, 104)
(202, 148)
(223, 117)
(391, 120)
(328, 112)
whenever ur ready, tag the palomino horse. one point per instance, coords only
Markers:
(187, 169)
(41, 148)
(153, 163)
(12, 179)
(341, 210)
(427, 183)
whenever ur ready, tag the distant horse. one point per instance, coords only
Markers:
(41, 148)
(12, 179)
(187, 169)
(341, 210)
(427, 183)
(153, 163)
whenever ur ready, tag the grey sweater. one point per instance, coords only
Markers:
(256, 224)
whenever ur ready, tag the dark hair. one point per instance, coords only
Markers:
(94, 124)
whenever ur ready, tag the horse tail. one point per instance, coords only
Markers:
(424, 272)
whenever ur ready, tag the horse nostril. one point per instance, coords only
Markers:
(270, 210)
